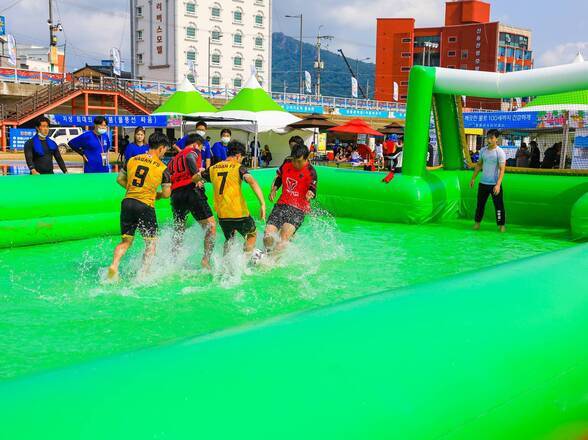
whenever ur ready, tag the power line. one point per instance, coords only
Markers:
(11, 5)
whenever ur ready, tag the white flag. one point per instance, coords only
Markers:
(12, 50)
(396, 91)
(192, 69)
(307, 81)
(116, 61)
(464, 100)
(354, 87)
(519, 102)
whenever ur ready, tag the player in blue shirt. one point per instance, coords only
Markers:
(94, 147)
(219, 149)
(201, 128)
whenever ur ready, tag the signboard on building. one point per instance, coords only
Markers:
(19, 136)
(2, 25)
(159, 36)
(113, 121)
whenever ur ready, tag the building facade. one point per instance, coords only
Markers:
(31, 57)
(212, 42)
(468, 40)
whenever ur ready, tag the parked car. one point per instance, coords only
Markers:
(62, 135)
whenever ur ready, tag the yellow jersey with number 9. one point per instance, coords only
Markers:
(226, 178)
(144, 175)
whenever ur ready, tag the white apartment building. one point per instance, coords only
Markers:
(212, 42)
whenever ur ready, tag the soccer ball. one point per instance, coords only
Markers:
(257, 256)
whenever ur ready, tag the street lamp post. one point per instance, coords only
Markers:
(300, 80)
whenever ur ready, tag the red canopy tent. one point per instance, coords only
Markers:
(356, 126)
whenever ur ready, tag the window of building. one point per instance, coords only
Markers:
(259, 63)
(406, 40)
(452, 39)
(403, 83)
(259, 42)
(518, 54)
(238, 60)
(403, 97)
(465, 54)
(191, 55)
(464, 67)
(191, 8)
(528, 55)
(215, 11)
(501, 67)
(238, 16)
(420, 41)
(259, 20)
(509, 67)
(510, 52)
(238, 83)
(238, 39)
(215, 35)
(139, 35)
(216, 79)
(215, 58)
(451, 67)
(139, 58)
(139, 11)
(451, 53)
(405, 69)
(191, 32)
(405, 55)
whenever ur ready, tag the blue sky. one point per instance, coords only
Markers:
(558, 31)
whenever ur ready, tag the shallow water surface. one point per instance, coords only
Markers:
(55, 308)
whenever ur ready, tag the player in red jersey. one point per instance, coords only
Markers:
(188, 197)
(298, 180)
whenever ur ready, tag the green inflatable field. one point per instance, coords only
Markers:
(390, 318)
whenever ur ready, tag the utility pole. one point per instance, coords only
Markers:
(318, 64)
(300, 79)
(53, 29)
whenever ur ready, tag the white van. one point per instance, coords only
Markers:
(62, 135)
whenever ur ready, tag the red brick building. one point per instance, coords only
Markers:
(468, 40)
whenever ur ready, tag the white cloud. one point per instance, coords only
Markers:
(562, 54)
(362, 14)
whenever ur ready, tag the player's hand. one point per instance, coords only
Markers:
(496, 190)
(472, 183)
(200, 184)
(34, 172)
(84, 158)
(273, 193)
(262, 213)
(309, 195)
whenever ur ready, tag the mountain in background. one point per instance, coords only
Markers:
(335, 79)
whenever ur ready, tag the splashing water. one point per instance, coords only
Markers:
(55, 308)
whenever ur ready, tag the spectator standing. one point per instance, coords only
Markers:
(523, 156)
(138, 146)
(41, 149)
(535, 159)
(266, 156)
(94, 147)
(219, 149)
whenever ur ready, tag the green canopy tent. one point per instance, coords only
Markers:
(186, 101)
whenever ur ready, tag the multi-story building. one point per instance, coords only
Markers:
(212, 42)
(468, 40)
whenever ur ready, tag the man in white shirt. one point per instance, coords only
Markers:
(492, 164)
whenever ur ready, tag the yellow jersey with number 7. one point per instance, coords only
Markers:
(226, 178)
(144, 175)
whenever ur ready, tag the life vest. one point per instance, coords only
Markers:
(181, 175)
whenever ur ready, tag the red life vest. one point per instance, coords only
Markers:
(180, 171)
(295, 185)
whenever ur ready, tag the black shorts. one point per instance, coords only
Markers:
(137, 215)
(244, 226)
(190, 200)
(282, 214)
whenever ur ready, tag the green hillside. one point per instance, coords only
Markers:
(335, 79)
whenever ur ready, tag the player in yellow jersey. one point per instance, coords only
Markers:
(226, 178)
(141, 176)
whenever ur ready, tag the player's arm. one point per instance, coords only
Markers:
(28, 152)
(277, 183)
(165, 192)
(477, 170)
(311, 194)
(501, 172)
(257, 190)
(121, 179)
(202, 176)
